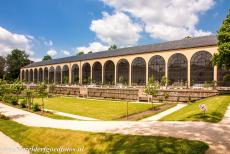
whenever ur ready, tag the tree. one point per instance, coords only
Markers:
(17, 88)
(222, 58)
(151, 88)
(112, 47)
(14, 61)
(90, 52)
(80, 53)
(47, 57)
(2, 67)
(42, 92)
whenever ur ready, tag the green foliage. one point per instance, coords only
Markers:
(2, 67)
(17, 88)
(80, 53)
(226, 78)
(112, 47)
(42, 92)
(164, 81)
(29, 97)
(47, 57)
(10, 99)
(166, 95)
(36, 107)
(90, 52)
(52, 88)
(14, 62)
(222, 58)
(3, 88)
(22, 103)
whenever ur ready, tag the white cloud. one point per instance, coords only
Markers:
(52, 52)
(116, 29)
(166, 20)
(94, 47)
(65, 52)
(10, 41)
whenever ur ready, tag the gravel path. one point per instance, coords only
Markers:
(164, 113)
(217, 135)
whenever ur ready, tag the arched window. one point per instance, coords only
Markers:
(109, 72)
(31, 75)
(86, 73)
(35, 75)
(27, 76)
(58, 75)
(156, 67)
(123, 71)
(40, 75)
(23, 76)
(46, 72)
(138, 71)
(75, 74)
(201, 67)
(65, 74)
(97, 73)
(51, 75)
(177, 68)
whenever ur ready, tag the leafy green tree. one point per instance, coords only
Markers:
(47, 57)
(222, 58)
(112, 47)
(90, 52)
(164, 81)
(151, 88)
(17, 88)
(80, 53)
(2, 66)
(42, 93)
(14, 61)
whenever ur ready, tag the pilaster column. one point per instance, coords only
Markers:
(130, 75)
(91, 73)
(70, 74)
(102, 73)
(189, 73)
(166, 70)
(215, 73)
(80, 73)
(55, 76)
(147, 74)
(115, 74)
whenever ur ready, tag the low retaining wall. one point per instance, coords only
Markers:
(114, 93)
(174, 95)
(184, 95)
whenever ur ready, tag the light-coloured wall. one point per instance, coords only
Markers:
(146, 56)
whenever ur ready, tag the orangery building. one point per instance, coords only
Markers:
(184, 62)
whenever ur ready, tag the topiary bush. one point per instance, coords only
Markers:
(14, 100)
(22, 103)
(36, 107)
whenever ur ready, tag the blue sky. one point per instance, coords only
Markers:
(64, 27)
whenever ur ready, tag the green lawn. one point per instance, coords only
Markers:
(216, 108)
(98, 142)
(99, 109)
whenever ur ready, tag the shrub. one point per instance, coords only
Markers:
(3, 117)
(227, 78)
(6, 98)
(22, 103)
(36, 107)
(13, 101)
(161, 99)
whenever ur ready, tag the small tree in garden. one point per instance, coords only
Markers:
(17, 88)
(151, 88)
(29, 98)
(164, 81)
(42, 92)
(3, 88)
